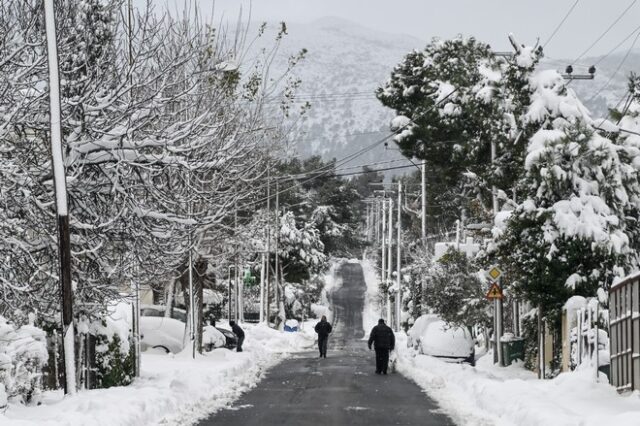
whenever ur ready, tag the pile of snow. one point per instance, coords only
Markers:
(371, 312)
(492, 395)
(173, 389)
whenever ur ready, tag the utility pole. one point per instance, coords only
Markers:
(268, 307)
(368, 225)
(277, 260)
(60, 187)
(390, 259)
(230, 303)
(376, 215)
(192, 311)
(494, 190)
(262, 268)
(384, 249)
(399, 261)
(423, 185)
(236, 263)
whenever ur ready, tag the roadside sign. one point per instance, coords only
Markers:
(248, 279)
(495, 292)
(494, 273)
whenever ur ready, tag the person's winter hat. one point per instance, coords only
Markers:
(232, 323)
(380, 321)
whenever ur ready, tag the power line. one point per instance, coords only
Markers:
(303, 174)
(347, 135)
(328, 168)
(376, 170)
(602, 58)
(624, 59)
(613, 24)
(560, 24)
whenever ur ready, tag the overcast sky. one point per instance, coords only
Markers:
(487, 20)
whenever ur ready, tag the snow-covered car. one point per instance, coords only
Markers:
(168, 334)
(447, 342)
(159, 310)
(430, 335)
(419, 326)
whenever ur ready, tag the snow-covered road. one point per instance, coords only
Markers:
(340, 390)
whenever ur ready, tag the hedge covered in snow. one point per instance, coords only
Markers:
(23, 353)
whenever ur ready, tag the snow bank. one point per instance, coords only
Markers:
(491, 395)
(371, 312)
(172, 389)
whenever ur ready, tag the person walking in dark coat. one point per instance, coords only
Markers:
(239, 333)
(323, 328)
(382, 338)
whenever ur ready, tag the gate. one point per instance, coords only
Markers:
(624, 333)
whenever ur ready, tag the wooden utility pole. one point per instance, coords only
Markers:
(390, 260)
(423, 186)
(268, 289)
(399, 261)
(277, 260)
(383, 253)
(60, 186)
(263, 264)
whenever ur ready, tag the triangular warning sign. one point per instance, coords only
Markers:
(495, 292)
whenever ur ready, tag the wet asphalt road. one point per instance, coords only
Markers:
(339, 390)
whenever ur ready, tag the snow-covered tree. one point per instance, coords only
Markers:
(455, 292)
(575, 225)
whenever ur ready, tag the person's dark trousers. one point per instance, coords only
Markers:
(382, 360)
(322, 345)
(239, 345)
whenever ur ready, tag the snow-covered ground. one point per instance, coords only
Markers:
(172, 390)
(491, 395)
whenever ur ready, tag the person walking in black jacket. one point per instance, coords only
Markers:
(323, 328)
(239, 333)
(382, 338)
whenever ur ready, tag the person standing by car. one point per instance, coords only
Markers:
(239, 333)
(323, 328)
(382, 338)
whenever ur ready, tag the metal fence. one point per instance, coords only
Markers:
(624, 333)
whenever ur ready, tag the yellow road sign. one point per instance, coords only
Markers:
(495, 292)
(494, 273)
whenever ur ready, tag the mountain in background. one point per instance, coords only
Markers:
(345, 64)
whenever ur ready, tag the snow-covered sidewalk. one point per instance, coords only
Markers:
(491, 395)
(171, 389)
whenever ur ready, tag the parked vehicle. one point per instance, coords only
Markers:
(159, 310)
(167, 334)
(432, 336)
(419, 326)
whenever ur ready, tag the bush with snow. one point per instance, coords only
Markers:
(23, 353)
(114, 358)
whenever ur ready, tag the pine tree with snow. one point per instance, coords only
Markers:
(575, 225)
(455, 292)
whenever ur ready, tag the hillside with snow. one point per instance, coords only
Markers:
(346, 62)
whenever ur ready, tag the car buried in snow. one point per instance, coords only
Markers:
(167, 333)
(432, 336)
